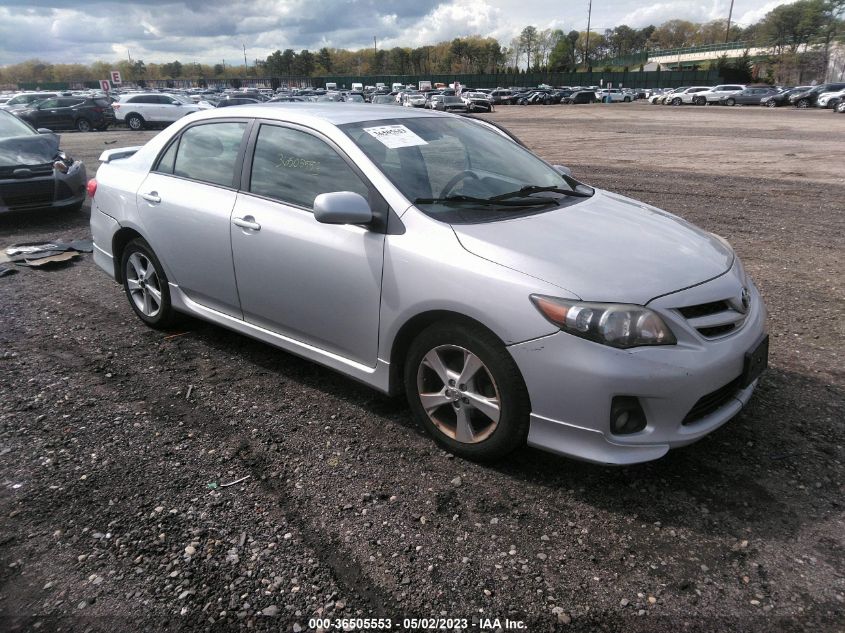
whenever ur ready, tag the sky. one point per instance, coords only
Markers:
(210, 31)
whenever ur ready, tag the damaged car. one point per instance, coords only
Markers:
(427, 253)
(34, 172)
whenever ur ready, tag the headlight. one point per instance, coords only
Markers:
(614, 324)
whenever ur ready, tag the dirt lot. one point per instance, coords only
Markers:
(111, 432)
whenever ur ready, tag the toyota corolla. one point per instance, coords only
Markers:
(431, 254)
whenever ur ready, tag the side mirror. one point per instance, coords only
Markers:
(342, 207)
(44, 130)
(178, 103)
(562, 170)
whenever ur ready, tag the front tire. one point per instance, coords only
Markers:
(771, 103)
(465, 389)
(803, 103)
(676, 102)
(730, 102)
(146, 285)
(135, 122)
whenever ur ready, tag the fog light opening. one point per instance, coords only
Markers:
(626, 416)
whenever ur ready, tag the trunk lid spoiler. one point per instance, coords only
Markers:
(116, 154)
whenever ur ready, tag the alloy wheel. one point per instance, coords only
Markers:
(143, 284)
(458, 393)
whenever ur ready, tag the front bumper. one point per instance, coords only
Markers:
(572, 381)
(56, 190)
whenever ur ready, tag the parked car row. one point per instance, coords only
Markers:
(828, 95)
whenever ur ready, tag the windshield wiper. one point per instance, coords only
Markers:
(527, 190)
(461, 200)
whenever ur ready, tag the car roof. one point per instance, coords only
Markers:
(335, 113)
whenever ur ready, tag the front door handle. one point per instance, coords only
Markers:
(247, 222)
(151, 197)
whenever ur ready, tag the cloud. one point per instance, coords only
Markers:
(211, 30)
(755, 15)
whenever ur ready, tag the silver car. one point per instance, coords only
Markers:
(429, 253)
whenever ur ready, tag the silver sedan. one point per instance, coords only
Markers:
(432, 254)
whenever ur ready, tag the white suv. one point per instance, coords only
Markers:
(139, 109)
(830, 99)
(685, 96)
(717, 92)
(613, 94)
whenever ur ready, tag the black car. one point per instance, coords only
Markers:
(808, 98)
(68, 113)
(449, 103)
(750, 96)
(581, 96)
(782, 98)
(233, 101)
(34, 172)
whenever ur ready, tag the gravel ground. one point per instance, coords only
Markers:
(110, 434)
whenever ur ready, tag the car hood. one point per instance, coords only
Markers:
(605, 248)
(28, 150)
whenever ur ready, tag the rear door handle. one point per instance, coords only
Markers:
(151, 197)
(247, 222)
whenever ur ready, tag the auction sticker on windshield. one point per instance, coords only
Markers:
(394, 136)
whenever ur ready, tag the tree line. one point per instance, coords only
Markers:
(786, 30)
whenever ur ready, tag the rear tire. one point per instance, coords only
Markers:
(135, 122)
(477, 405)
(627, 99)
(146, 285)
(83, 125)
(700, 101)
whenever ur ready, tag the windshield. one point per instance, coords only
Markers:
(11, 126)
(451, 168)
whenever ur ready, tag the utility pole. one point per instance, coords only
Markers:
(587, 45)
(375, 47)
(730, 15)
(246, 66)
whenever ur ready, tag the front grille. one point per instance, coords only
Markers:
(27, 193)
(712, 402)
(705, 309)
(44, 169)
(713, 319)
(717, 330)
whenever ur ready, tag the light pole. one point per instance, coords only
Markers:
(587, 45)
(730, 15)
